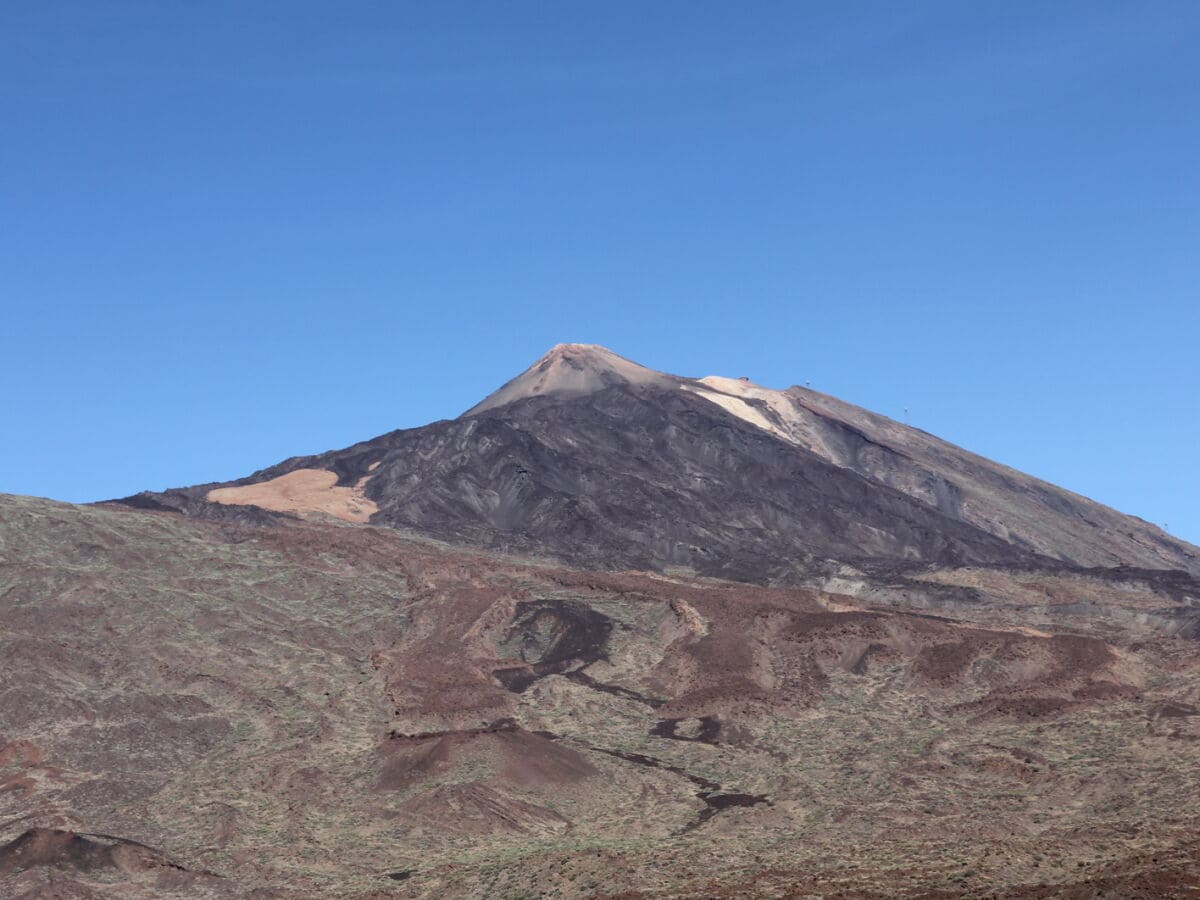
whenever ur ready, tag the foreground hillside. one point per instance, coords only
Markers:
(314, 708)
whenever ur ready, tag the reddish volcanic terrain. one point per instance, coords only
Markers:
(324, 710)
(602, 636)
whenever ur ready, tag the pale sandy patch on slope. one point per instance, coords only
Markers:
(777, 401)
(784, 415)
(302, 491)
(739, 408)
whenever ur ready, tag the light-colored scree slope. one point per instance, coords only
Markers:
(302, 491)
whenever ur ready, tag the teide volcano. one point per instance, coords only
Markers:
(597, 461)
(948, 678)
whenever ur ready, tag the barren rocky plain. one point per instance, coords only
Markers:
(388, 682)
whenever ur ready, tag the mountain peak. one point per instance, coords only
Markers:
(569, 348)
(571, 369)
(682, 475)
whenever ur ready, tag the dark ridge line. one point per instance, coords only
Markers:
(579, 676)
(654, 763)
(507, 724)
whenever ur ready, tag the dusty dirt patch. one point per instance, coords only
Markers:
(302, 491)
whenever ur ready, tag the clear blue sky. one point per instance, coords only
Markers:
(235, 232)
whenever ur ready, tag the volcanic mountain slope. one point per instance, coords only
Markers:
(317, 709)
(591, 459)
(759, 643)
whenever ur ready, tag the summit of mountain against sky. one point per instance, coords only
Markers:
(593, 459)
(572, 369)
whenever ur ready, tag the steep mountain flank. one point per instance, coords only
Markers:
(963, 485)
(627, 477)
(594, 460)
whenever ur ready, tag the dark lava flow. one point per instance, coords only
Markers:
(562, 637)
(505, 724)
(710, 791)
(707, 733)
(553, 636)
(581, 677)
